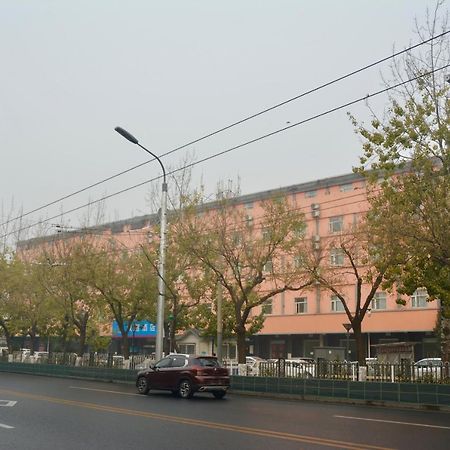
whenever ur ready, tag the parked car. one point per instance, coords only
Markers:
(253, 363)
(300, 368)
(184, 375)
(40, 356)
(428, 368)
(292, 367)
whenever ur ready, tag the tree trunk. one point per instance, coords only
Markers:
(444, 337)
(166, 343)
(172, 342)
(360, 344)
(241, 348)
(7, 335)
(32, 335)
(125, 346)
(64, 335)
(83, 332)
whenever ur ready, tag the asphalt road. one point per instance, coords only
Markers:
(38, 413)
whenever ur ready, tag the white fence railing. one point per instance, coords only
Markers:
(406, 372)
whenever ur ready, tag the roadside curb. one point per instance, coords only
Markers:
(336, 400)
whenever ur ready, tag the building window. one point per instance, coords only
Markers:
(419, 298)
(336, 224)
(294, 199)
(249, 220)
(310, 194)
(267, 307)
(300, 230)
(237, 238)
(301, 305)
(336, 304)
(379, 301)
(346, 187)
(229, 351)
(187, 349)
(268, 266)
(266, 234)
(249, 205)
(299, 261)
(337, 257)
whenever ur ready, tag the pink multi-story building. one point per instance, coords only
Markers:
(297, 324)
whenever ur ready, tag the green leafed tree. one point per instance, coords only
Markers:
(407, 161)
(251, 257)
(77, 311)
(353, 266)
(12, 273)
(36, 308)
(120, 282)
(186, 285)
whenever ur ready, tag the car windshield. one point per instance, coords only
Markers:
(255, 358)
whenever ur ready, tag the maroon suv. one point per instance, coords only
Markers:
(184, 375)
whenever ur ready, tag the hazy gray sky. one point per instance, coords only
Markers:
(171, 71)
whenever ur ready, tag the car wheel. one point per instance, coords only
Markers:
(185, 389)
(219, 394)
(143, 386)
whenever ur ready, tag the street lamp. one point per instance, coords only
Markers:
(348, 327)
(162, 248)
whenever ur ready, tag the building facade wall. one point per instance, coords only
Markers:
(331, 207)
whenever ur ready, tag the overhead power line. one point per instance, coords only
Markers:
(232, 125)
(236, 147)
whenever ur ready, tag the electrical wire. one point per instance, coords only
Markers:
(232, 125)
(236, 147)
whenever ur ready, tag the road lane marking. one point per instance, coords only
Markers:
(105, 390)
(2, 425)
(203, 423)
(394, 422)
(7, 402)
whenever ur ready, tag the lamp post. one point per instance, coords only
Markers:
(348, 327)
(162, 248)
(219, 323)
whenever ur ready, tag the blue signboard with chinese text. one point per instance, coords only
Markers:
(138, 329)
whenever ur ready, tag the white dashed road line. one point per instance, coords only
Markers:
(394, 422)
(2, 425)
(7, 402)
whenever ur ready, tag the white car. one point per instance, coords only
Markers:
(428, 368)
(253, 360)
(253, 363)
(300, 368)
(292, 367)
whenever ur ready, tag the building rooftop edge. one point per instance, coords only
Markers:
(133, 222)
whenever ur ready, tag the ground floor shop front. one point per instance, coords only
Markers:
(426, 345)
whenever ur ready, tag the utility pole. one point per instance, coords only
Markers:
(219, 322)
(162, 248)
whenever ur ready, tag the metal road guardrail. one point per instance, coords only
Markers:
(406, 372)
